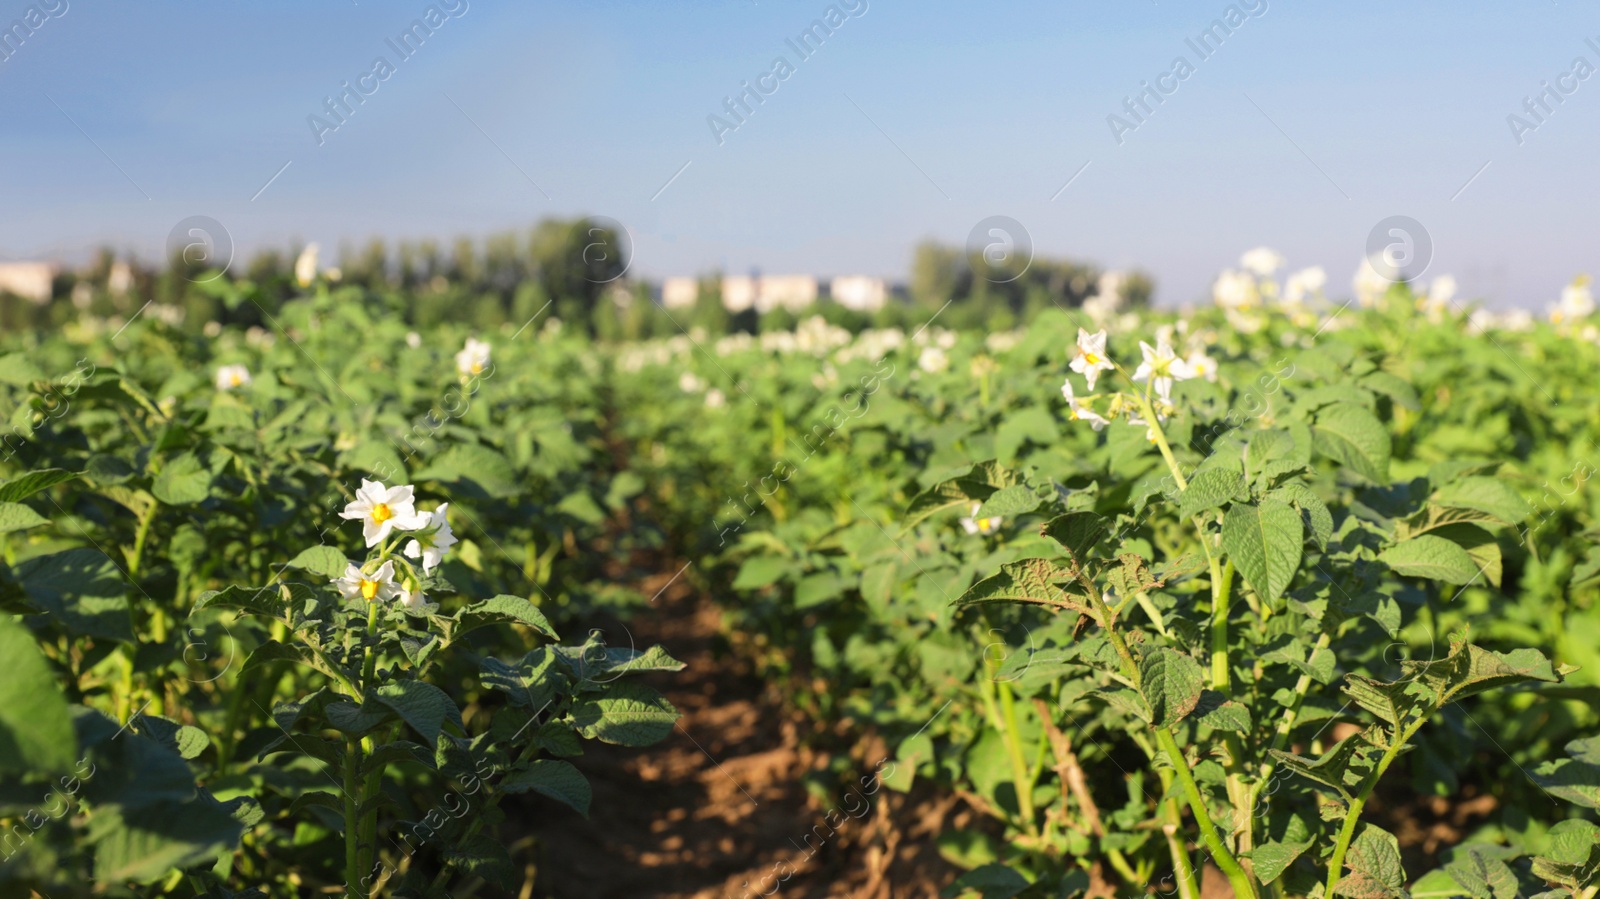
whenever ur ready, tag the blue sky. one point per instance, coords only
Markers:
(1308, 125)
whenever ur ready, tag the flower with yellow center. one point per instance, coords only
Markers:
(433, 540)
(473, 359)
(1201, 365)
(975, 525)
(378, 586)
(382, 510)
(231, 376)
(1081, 408)
(1161, 367)
(1091, 359)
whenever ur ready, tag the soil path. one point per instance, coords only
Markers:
(721, 808)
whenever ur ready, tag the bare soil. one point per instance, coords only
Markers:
(721, 808)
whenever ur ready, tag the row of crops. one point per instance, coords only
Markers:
(306, 609)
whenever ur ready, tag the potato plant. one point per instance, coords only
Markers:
(1224, 617)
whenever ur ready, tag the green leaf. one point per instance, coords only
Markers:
(17, 517)
(628, 714)
(1392, 703)
(144, 845)
(272, 651)
(483, 856)
(267, 602)
(1313, 511)
(1219, 713)
(1483, 876)
(1037, 581)
(1349, 434)
(1171, 683)
(504, 609)
(1392, 386)
(557, 779)
(1432, 557)
(1265, 543)
(23, 486)
(992, 881)
(761, 571)
(36, 734)
(422, 705)
(183, 481)
(976, 486)
(1491, 496)
(1272, 859)
(1577, 779)
(1077, 532)
(1573, 858)
(1469, 670)
(18, 370)
(479, 472)
(321, 559)
(529, 682)
(82, 590)
(1009, 501)
(1210, 489)
(1340, 768)
(1375, 869)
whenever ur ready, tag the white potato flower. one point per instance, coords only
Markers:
(432, 540)
(1304, 284)
(1091, 358)
(1201, 366)
(1161, 367)
(1234, 290)
(378, 586)
(473, 358)
(1081, 408)
(413, 339)
(1370, 286)
(715, 399)
(305, 267)
(1262, 261)
(933, 360)
(974, 525)
(1576, 302)
(383, 509)
(415, 601)
(231, 376)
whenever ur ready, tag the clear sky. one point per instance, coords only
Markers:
(1301, 129)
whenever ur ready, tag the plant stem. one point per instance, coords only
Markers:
(1244, 886)
(1221, 587)
(1353, 814)
(352, 829)
(1019, 765)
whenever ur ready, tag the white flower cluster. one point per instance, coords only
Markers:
(382, 511)
(1254, 285)
(1576, 303)
(1159, 369)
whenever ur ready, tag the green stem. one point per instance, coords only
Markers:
(1019, 765)
(352, 829)
(1352, 816)
(136, 555)
(1222, 583)
(1188, 880)
(1244, 886)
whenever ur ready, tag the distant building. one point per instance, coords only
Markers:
(120, 281)
(29, 280)
(792, 292)
(862, 293)
(680, 293)
(739, 292)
